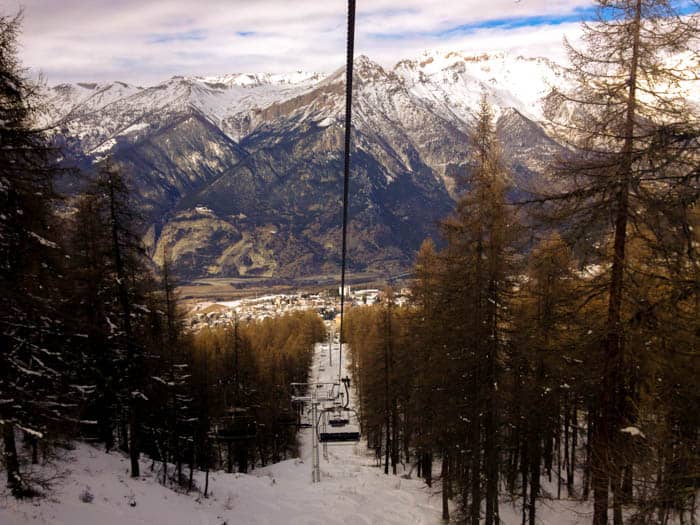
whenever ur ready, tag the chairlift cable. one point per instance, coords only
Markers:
(346, 167)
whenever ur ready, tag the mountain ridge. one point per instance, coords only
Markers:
(263, 153)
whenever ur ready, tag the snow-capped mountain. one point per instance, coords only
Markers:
(449, 84)
(96, 112)
(261, 154)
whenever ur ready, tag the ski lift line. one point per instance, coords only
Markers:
(311, 395)
(346, 167)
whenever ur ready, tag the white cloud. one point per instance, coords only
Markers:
(148, 41)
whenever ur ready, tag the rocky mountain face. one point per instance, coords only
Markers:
(241, 175)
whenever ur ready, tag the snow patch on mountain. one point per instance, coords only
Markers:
(454, 82)
(447, 84)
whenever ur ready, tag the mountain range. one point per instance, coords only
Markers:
(241, 174)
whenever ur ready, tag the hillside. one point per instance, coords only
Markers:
(240, 175)
(352, 491)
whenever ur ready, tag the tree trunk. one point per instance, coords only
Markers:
(557, 445)
(585, 491)
(524, 466)
(616, 482)
(491, 432)
(394, 436)
(599, 472)
(14, 480)
(535, 459)
(165, 468)
(572, 456)
(134, 440)
(189, 482)
(567, 462)
(428, 468)
(445, 476)
(609, 418)
(229, 457)
(206, 481)
(475, 512)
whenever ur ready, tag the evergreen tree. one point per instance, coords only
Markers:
(170, 428)
(113, 284)
(94, 310)
(35, 363)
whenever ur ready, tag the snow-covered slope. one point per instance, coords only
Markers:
(454, 82)
(352, 491)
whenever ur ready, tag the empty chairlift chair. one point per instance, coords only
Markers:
(237, 426)
(343, 427)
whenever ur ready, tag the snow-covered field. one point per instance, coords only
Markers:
(351, 491)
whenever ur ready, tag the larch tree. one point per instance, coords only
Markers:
(542, 363)
(94, 310)
(633, 145)
(479, 262)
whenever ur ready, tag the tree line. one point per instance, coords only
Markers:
(560, 361)
(92, 339)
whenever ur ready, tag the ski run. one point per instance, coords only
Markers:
(93, 487)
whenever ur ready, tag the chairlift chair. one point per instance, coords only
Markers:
(238, 426)
(341, 419)
(339, 437)
(336, 417)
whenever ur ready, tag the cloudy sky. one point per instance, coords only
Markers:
(150, 40)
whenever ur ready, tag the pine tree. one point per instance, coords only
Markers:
(95, 312)
(113, 283)
(35, 363)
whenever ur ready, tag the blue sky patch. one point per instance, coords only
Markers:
(506, 23)
(180, 36)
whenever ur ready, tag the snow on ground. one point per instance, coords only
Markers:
(351, 491)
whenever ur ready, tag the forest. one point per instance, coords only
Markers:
(550, 347)
(563, 359)
(93, 340)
